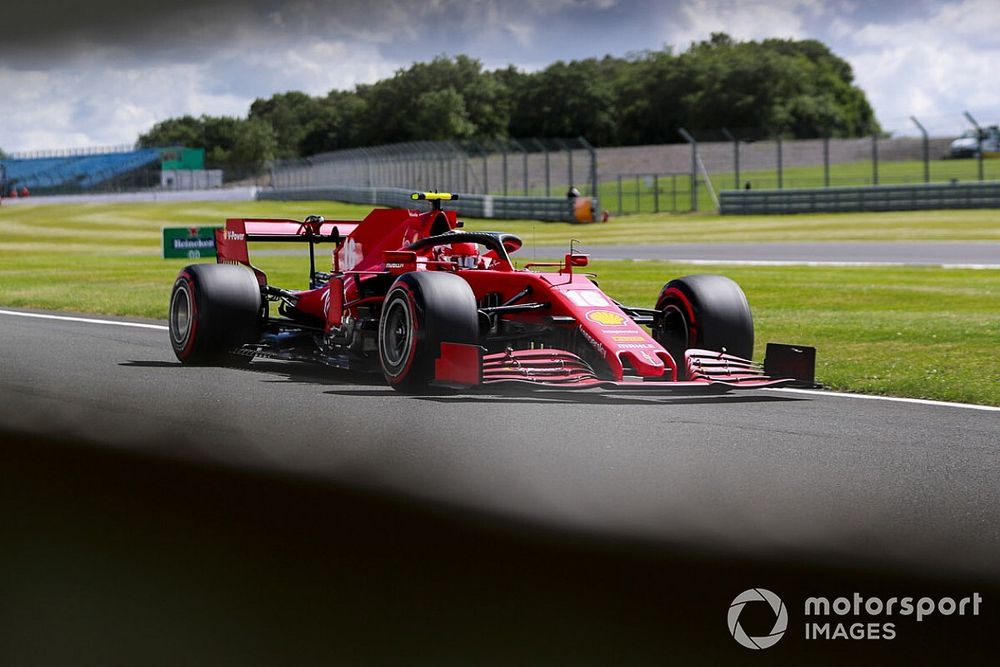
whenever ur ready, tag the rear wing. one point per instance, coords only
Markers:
(362, 243)
(231, 241)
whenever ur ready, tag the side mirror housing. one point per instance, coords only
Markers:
(573, 259)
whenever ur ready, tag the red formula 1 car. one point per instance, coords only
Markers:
(411, 295)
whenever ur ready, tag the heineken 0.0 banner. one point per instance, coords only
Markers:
(188, 242)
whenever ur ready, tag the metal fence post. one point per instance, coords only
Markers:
(569, 163)
(620, 211)
(736, 157)
(593, 165)
(524, 163)
(694, 167)
(874, 158)
(455, 169)
(979, 142)
(486, 172)
(526, 184)
(656, 193)
(927, 149)
(781, 167)
(368, 165)
(504, 149)
(548, 179)
(826, 162)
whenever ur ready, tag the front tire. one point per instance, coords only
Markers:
(707, 312)
(421, 311)
(214, 310)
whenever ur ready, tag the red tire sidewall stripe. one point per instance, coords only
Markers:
(193, 322)
(689, 311)
(415, 328)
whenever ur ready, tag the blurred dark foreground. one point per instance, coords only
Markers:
(107, 558)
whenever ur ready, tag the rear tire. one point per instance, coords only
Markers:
(214, 309)
(421, 311)
(707, 312)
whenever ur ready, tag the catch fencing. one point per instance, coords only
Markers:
(635, 179)
(523, 167)
(521, 178)
(690, 176)
(471, 205)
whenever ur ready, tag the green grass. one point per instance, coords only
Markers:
(135, 229)
(920, 332)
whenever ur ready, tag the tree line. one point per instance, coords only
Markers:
(797, 88)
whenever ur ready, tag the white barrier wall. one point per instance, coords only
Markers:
(190, 179)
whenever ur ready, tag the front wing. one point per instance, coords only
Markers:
(466, 366)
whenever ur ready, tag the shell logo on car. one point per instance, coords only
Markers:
(606, 317)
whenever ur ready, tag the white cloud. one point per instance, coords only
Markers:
(106, 100)
(741, 20)
(88, 105)
(933, 67)
(931, 60)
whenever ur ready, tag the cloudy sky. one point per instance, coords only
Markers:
(100, 72)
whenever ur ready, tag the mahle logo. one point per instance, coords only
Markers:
(780, 618)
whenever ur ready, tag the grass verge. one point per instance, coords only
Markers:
(920, 332)
(135, 228)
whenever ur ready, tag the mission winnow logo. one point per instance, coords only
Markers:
(857, 617)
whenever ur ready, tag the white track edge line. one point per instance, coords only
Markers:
(86, 320)
(896, 399)
(812, 263)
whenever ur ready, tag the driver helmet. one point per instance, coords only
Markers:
(466, 255)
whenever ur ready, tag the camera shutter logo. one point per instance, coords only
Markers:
(780, 622)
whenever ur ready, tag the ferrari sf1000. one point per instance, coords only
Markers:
(413, 296)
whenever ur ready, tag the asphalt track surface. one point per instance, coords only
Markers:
(905, 485)
(931, 253)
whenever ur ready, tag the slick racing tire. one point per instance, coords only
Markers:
(214, 310)
(421, 311)
(705, 311)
